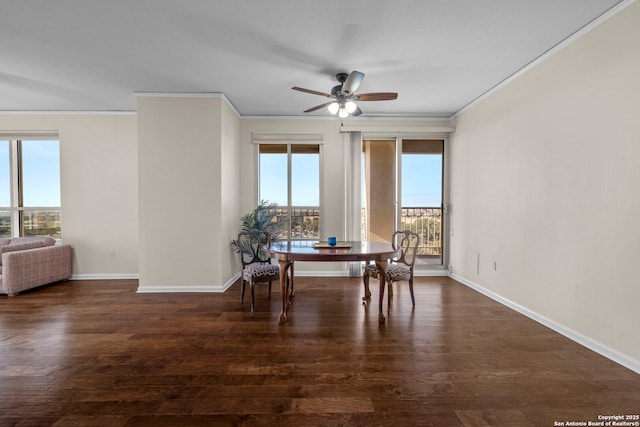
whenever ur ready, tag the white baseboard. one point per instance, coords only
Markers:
(321, 273)
(598, 347)
(436, 272)
(178, 289)
(227, 285)
(189, 288)
(103, 277)
(345, 273)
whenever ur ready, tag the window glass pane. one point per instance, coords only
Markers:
(422, 180)
(290, 176)
(5, 224)
(282, 218)
(421, 196)
(305, 223)
(273, 173)
(5, 183)
(41, 173)
(42, 223)
(305, 178)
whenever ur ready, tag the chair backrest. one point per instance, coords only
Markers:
(252, 247)
(406, 242)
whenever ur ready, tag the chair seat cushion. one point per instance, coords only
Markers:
(394, 272)
(261, 272)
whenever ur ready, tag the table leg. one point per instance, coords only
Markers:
(382, 269)
(291, 292)
(284, 266)
(365, 281)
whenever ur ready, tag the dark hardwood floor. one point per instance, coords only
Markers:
(96, 353)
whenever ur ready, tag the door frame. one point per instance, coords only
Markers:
(398, 137)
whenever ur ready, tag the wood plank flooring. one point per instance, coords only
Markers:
(96, 353)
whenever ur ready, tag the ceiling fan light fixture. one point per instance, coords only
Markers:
(343, 97)
(333, 107)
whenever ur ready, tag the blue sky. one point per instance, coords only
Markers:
(305, 177)
(41, 173)
(421, 179)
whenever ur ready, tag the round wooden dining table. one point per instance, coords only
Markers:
(287, 252)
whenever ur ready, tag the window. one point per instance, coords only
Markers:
(289, 175)
(30, 187)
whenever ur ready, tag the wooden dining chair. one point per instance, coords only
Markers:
(401, 267)
(256, 263)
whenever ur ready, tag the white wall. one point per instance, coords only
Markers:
(230, 190)
(179, 145)
(99, 187)
(545, 184)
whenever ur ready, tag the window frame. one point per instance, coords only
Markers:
(424, 146)
(16, 208)
(289, 207)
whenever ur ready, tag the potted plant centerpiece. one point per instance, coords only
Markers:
(262, 218)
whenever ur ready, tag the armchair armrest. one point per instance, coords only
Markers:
(22, 270)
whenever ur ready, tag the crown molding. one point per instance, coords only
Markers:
(71, 112)
(213, 95)
(403, 129)
(549, 53)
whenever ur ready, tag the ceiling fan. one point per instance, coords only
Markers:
(343, 95)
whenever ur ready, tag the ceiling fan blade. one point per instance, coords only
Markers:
(317, 107)
(353, 81)
(377, 96)
(356, 112)
(313, 92)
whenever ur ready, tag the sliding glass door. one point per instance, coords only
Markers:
(402, 189)
(421, 185)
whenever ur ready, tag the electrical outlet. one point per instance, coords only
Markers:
(112, 253)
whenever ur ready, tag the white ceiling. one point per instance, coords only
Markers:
(94, 55)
